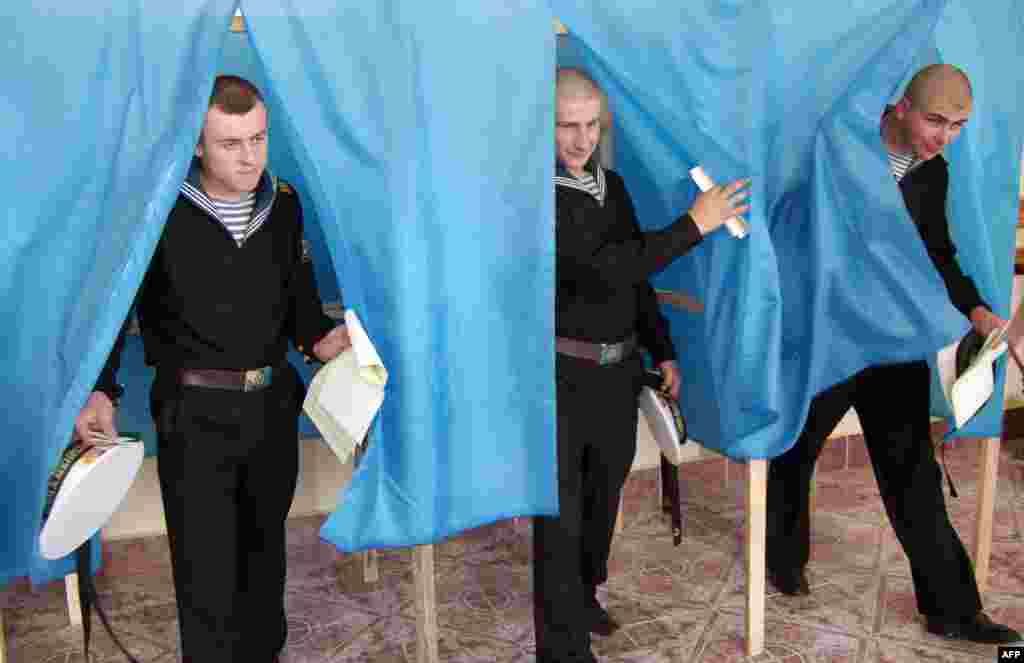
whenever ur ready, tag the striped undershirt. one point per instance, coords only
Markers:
(901, 164)
(590, 185)
(236, 215)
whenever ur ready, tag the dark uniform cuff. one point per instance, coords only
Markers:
(113, 391)
(305, 342)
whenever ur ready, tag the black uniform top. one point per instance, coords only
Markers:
(206, 302)
(924, 193)
(603, 262)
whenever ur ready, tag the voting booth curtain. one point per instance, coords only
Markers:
(423, 157)
(101, 106)
(833, 276)
(420, 136)
(426, 130)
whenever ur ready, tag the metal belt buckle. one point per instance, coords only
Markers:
(611, 353)
(257, 379)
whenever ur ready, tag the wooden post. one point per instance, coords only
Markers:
(812, 498)
(73, 599)
(659, 490)
(426, 604)
(989, 471)
(371, 571)
(757, 501)
(3, 638)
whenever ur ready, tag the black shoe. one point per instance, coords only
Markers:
(600, 621)
(979, 628)
(597, 618)
(790, 583)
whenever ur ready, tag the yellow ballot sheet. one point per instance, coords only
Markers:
(346, 393)
(969, 382)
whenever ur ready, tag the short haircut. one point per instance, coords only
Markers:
(234, 95)
(939, 83)
(571, 82)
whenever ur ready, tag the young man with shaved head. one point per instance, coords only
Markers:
(229, 286)
(892, 401)
(605, 309)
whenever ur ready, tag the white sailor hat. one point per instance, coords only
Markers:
(87, 486)
(666, 422)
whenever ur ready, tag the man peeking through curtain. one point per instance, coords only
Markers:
(229, 286)
(892, 401)
(605, 309)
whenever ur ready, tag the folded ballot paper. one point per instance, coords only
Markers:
(346, 393)
(966, 371)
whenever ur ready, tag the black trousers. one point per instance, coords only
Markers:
(228, 463)
(892, 404)
(597, 418)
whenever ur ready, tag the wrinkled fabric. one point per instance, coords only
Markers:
(426, 147)
(402, 148)
(100, 111)
(420, 139)
(833, 276)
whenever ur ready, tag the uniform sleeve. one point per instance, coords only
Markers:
(107, 381)
(935, 233)
(307, 322)
(617, 261)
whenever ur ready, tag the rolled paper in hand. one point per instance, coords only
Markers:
(738, 228)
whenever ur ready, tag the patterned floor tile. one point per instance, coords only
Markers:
(676, 604)
(840, 600)
(851, 493)
(900, 621)
(884, 651)
(669, 636)
(843, 542)
(784, 643)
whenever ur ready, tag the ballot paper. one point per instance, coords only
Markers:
(969, 382)
(346, 393)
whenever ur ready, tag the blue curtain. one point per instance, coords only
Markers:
(833, 277)
(422, 153)
(425, 132)
(420, 138)
(101, 108)
(986, 39)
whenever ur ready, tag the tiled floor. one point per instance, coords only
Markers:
(679, 604)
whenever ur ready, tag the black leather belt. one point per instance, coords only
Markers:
(217, 378)
(600, 353)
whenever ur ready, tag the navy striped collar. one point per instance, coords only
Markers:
(564, 178)
(266, 193)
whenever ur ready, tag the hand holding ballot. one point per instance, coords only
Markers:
(345, 395)
(985, 321)
(966, 367)
(333, 344)
(966, 372)
(719, 204)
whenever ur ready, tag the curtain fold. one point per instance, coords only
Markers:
(833, 277)
(102, 105)
(420, 138)
(424, 134)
